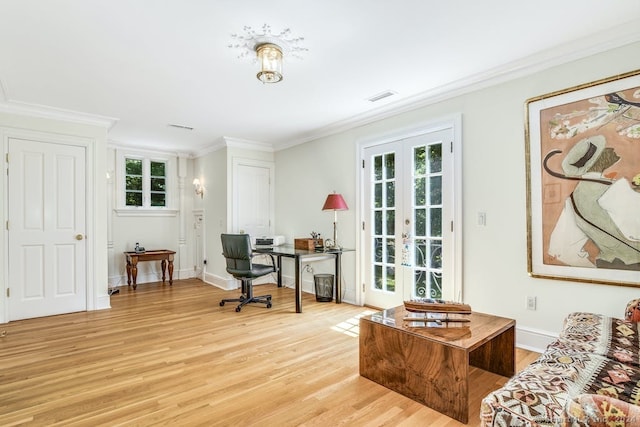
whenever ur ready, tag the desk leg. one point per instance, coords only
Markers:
(338, 279)
(163, 265)
(134, 272)
(170, 270)
(279, 272)
(298, 287)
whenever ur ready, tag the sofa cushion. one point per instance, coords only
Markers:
(632, 312)
(539, 394)
(594, 354)
(614, 338)
(591, 410)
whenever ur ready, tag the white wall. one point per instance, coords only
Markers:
(214, 170)
(211, 169)
(151, 231)
(305, 175)
(495, 278)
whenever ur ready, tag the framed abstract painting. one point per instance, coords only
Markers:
(583, 182)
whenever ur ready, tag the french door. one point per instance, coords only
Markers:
(408, 205)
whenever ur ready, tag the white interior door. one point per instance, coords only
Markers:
(46, 230)
(408, 200)
(252, 198)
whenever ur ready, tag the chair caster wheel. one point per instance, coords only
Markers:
(238, 309)
(269, 305)
(221, 303)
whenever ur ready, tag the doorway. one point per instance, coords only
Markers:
(47, 254)
(253, 197)
(408, 210)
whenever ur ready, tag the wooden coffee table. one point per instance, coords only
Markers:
(431, 365)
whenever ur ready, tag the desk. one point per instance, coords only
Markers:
(156, 255)
(300, 255)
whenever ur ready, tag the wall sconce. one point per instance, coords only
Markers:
(199, 188)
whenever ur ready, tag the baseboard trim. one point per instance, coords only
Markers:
(534, 339)
(103, 302)
(226, 283)
(150, 277)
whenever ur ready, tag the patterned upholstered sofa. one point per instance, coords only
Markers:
(589, 376)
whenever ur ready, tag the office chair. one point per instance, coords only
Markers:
(236, 248)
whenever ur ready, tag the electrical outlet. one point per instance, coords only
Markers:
(531, 303)
(482, 218)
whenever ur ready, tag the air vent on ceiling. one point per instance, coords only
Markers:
(173, 125)
(382, 95)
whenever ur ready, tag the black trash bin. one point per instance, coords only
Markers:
(324, 287)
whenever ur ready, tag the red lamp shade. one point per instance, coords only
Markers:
(335, 202)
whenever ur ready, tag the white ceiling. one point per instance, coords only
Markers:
(149, 63)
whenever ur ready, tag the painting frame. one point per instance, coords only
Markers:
(566, 132)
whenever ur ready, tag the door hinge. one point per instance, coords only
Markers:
(362, 163)
(8, 292)
(451, 146)
(362, 225)
(452, 226)
(7, 225)
(363, 288)
(6, 156)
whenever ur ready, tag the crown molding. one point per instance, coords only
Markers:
(231, 142)
(118, 145)
(625, 34)
(46, 112)
(247, 144)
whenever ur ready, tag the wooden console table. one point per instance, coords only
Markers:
(163, 255)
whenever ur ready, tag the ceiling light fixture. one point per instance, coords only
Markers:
(270, 58)
(269, 50)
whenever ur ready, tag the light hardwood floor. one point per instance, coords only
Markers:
(172, 356)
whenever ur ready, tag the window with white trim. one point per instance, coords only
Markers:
(144, 183)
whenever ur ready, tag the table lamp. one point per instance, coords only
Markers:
(335, 203)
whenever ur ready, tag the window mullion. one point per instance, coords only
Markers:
(146, 183)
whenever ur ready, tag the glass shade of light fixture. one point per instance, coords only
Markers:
(335, 202)
(270, 59)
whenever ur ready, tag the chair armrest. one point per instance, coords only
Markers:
(273, 260)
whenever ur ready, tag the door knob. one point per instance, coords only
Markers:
(79, 237)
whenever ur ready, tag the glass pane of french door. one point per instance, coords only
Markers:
(383, 181)
(427, 213)
(404, 230)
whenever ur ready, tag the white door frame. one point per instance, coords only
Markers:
(90, 198)
(454, 122)
(199, 223)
